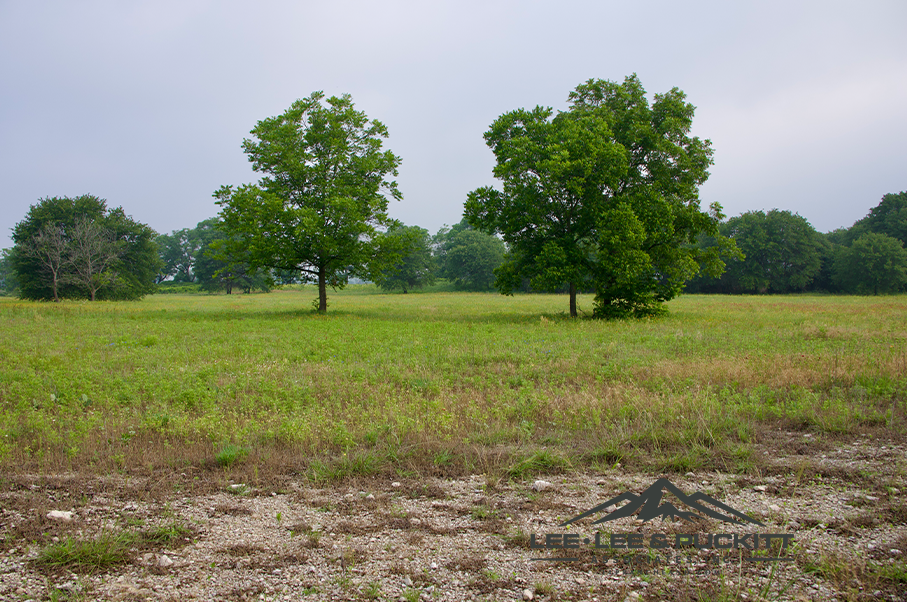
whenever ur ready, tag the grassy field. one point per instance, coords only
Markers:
(440, 383)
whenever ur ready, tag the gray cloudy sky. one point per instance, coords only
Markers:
(146, 103)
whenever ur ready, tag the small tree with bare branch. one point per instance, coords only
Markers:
(49, 250)
(93, 251)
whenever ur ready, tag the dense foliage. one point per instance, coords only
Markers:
(467, 257)
(220, 266)
(77, 248)
(416, 266)
(322, 203)
(605, 195)
(782, 253)
(888, 217)
(785, 254)
(875, 263)
(200, 255)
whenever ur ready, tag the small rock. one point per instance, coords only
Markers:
(370, 497)
(434, 565)
(237, 487)
(164, 561)
(70, 586)
(774, 507)
(541, 485)
(760, 488)
(793, 525)
(62, 515)
(395, 484)
(415, 522)
(895, 551)
(689, 474)
(528, 595)
(871, 498)
(407, 581)
(580, 581)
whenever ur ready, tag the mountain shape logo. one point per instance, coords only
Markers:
(649, 506)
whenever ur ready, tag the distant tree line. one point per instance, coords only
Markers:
(783, 253)
(200, 255)
(77, 248)
(465, 257)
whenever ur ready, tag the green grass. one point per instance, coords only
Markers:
(88, 555)
(437, 381)
(230, 454)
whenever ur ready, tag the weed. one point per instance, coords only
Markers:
(88, 555)
(165, 535)
(372, 590)
(230, 454)
(540, 462)
(411, 595)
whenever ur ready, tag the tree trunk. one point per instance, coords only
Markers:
(322, 291)
(572, 299)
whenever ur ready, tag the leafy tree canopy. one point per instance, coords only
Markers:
(602, 195)
(220, 266)
(321, 204)
(889, 217)
(416, 266)
(468, 257)
(875, 263)
(60, 243)
(783, 252)
(179, 252)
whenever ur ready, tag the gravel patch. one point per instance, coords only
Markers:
(466, 538)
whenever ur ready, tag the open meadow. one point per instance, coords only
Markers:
(183, 410)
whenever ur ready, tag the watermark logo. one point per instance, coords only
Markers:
(651, 504)
(648, 505)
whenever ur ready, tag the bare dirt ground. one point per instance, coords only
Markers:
(197, 536)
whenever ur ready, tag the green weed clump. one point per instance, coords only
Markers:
(230, 454)
(88, 555)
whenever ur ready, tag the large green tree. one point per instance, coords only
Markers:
(77, 248)
(875, 263)
(467, 257)
(322, 203)
(889, 217)
(178, 251)
(783, 252)
(416, 266)
(603, 195)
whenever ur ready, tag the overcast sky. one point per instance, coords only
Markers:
(146, 104)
